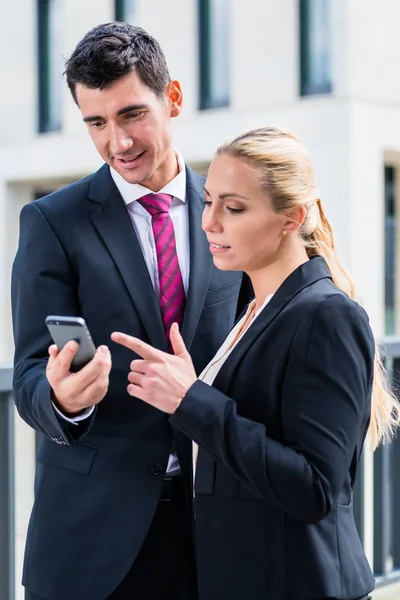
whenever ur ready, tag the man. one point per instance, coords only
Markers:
(124, 249)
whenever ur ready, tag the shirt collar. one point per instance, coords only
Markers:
(133, 191)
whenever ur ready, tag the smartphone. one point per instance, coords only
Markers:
(64, 329)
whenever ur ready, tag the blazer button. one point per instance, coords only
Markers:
(156, 469)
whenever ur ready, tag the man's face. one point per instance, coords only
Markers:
(131, 128)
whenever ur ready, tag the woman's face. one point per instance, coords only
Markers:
(244, 233)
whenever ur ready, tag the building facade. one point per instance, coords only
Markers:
(327, 69)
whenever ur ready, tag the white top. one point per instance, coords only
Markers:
(209, 374)
(141, 222)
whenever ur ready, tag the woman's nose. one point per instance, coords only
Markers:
(210, 221)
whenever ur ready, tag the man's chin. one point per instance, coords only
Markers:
(134, 176)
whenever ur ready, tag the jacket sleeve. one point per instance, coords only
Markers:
(43, 283)
(326, 394)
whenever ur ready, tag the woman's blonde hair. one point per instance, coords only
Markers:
(286, 174)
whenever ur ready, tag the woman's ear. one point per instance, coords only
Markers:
(295, 219)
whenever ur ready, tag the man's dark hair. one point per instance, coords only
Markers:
(111, 51)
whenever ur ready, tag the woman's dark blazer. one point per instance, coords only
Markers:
(280, 436)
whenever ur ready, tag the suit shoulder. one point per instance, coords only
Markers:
(70, 193)
(337, 301)
(326, 309)
(337, 315)
(325, 297)
(194, 180)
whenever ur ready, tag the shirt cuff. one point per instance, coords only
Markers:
(85, 414)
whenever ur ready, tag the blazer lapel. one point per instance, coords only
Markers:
(114, 225)
(304, 276)
(200, 258)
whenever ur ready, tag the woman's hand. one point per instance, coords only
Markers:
(160, 379)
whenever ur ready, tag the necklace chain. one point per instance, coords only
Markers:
(249, 317)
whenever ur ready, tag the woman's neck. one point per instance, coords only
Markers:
(266, 281)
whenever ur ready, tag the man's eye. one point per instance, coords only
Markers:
(133, 115)
(96, 124)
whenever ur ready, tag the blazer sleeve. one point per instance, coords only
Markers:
(326, 394)
(42, 283)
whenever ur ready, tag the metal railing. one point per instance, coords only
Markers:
(386, 489)
(7, 533)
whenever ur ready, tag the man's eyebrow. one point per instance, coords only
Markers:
(132, 108)
(122, 111)
(227, 195)
(94, 118)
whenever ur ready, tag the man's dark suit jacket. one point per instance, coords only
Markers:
(97, 484)
(280, 436)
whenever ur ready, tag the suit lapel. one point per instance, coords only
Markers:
(302, 277)
(200, 258)
(114, 225)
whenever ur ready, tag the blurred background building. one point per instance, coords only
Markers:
(327, 69)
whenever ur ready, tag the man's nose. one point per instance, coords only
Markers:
(120, 141)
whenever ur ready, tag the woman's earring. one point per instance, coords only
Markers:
(284, 232)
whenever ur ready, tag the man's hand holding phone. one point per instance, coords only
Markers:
(75, 391)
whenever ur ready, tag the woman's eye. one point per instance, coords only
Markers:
(228, 208)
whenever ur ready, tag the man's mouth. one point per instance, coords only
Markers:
(127, 160)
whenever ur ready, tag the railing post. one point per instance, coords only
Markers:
(396, 501)
(383, 560)
(7, 528)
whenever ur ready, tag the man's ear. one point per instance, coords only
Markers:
(295, 218)
(174, 97)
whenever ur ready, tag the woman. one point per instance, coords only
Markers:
(280, 415)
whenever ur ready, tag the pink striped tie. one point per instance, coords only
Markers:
(172, 293)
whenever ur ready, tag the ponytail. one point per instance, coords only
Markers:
(385, 408)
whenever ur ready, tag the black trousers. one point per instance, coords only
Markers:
(165, 567)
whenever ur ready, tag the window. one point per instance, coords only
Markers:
(50, 64)
(390, 250)
(214, 53)
(315, 47)
(125, 10)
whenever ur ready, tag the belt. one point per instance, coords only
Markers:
(172, 489)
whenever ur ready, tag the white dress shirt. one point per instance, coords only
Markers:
(142, 224)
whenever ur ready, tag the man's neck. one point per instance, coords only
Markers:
(166, 172)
